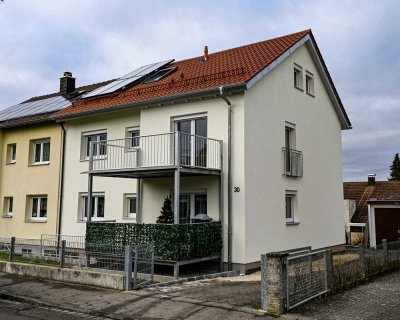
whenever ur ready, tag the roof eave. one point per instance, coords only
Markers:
(214, 91)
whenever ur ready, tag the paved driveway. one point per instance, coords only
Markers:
(379, 299)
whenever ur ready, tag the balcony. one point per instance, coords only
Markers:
(292, 163)
(156, 155)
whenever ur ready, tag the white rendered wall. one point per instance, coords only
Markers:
(271, 102)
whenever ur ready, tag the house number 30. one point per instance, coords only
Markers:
(236, 189)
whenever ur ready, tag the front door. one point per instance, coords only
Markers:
(184, 208)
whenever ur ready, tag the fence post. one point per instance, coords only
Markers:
(361, 253)
(128, 267)
(385, 254)
(273, 282)
(12, 249)
(152, 263)
(329, 269)
(135, 265)
(62, 253)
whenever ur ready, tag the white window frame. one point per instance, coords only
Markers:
(298, 81)
(84, 144)
(11, 153)
(309, 83)
(7, 211)
(95, 196)
(130, 139)
(127, 206)
(192, 200)
(40, 199)
(41, 143)
(292, 194)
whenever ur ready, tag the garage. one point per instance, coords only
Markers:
(387, 223)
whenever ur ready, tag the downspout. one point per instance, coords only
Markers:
(61, 193)
(229, 222)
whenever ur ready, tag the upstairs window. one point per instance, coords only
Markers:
(309, 83)
(298, 77)
(11, 153)
(98, 148)
(133, 135)
(41, 152)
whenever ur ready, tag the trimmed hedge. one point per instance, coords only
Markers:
(175, 242)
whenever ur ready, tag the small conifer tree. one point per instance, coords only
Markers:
(395, 168)
(167, 212)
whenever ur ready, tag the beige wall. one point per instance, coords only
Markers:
(319, 210)
(22, 179)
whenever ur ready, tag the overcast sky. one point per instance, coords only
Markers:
(99, 40)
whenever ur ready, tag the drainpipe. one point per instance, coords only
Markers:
(61, 192)
(222, 95)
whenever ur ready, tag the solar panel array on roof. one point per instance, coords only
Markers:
(128, 79)
(35, 107)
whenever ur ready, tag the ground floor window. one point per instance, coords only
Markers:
(97, 211)
(130, 206)
(290, 199)
(8, 206)
(38, 208)
(190, 205)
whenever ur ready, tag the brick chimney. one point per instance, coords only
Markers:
(67, 83)
(371, 179)
(205, 57)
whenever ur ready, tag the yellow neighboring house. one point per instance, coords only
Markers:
(31, 165)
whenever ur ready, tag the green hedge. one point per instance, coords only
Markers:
(176, 242)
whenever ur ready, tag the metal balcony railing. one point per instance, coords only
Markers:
(161, 150)
(292, 162)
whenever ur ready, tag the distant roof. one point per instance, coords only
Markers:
(39, 109)
(362, 192)
(229, 67)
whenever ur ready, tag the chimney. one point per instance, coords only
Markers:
(205, 53)
(67, 83)
(371, 179)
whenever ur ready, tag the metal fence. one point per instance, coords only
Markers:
(306, 277)
(156, 151)
(73, 252)
(292, 162)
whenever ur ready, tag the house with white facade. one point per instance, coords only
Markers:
(249, 136)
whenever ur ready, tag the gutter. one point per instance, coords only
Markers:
(61, 192)
(222, 95)
(215, 91)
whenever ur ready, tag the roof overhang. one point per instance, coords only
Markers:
(322, 70)
(167, 100)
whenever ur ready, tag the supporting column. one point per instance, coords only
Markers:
(176, 195)
(89, 197)
(138, 201)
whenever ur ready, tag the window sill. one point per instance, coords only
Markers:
(7, 216)
(129, 218)
(39, 164)
(11, 162)
(293, 223)
(310, 94)
(35, 221)
(93, 220)
(298, 88)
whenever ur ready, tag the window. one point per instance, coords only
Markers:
(8, 206)
(193, 146)
(159, 75)
(11, 153)
(38, 208)
(130, 206)
(133, 137)
(97, 206)
(98, 149)
(290, 199)
(191, 205)
(289, 145)
(41, 152)
(298, 77)
(309, 83)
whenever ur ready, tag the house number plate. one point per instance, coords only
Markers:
(236, 189)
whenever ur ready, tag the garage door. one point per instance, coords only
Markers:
(387, 224)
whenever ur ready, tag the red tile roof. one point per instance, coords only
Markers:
(361, 192)
(233, 66)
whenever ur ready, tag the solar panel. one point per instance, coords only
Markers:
(128, 79)
(35, 107)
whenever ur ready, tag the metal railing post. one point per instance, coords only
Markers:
(12, 249)
(90, 184)
(62, 253)
(177, 178)
(135, 265)
(152, 263)
(128, 267)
